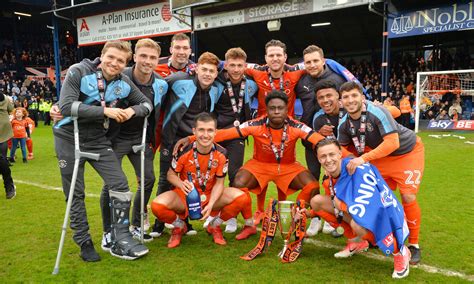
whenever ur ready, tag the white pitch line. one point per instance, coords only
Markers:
(424, 267)
(48, 187)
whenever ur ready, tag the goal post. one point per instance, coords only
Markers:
(432, 85)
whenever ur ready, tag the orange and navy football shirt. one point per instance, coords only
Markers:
(184, 162)
(260, 131)
(164, 68)
(290, 79)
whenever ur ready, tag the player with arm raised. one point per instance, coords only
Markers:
(274, 158)
(275, 78)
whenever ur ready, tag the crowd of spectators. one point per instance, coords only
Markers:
(402, 82)
(35, 96)
(33, 54)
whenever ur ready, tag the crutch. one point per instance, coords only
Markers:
(77, 156)
(141, 148)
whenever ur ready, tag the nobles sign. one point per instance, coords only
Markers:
(458, 16)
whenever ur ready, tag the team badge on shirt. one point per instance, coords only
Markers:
(62, 164)
(370, 127)
(215, 163)
(117, 91)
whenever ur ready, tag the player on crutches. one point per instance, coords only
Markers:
(101, 88)
(78, 155)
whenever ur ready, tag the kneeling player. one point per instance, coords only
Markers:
(207, 162)
(365, 205)
(274, 158)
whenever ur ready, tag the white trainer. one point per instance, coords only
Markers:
(314, 227)
(169, 226)
(231, 225)
(401, 264)
(136, 233)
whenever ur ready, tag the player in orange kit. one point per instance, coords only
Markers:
(207, 163)
(395, 150)
(274, 158)
(275, 78)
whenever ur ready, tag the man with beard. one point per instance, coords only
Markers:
(275, 78)
(395, 150)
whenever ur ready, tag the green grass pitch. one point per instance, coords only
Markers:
(31, 228)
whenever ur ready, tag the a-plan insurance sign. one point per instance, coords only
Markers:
(133, 23)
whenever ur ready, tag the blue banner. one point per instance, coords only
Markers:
(455, 17)
(372, 205)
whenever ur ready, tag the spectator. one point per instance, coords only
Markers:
(20, 133)
(454, 116)
(430, 115)
(443, 115)
(455, 107)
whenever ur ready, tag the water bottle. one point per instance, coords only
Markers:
(194, 201)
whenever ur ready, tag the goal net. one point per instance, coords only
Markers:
(432, 86)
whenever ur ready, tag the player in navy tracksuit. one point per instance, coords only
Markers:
(105, 94)
(130, 133)
(188, 95)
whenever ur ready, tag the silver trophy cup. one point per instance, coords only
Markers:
(285, 213)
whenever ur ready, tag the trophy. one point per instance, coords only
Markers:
(281, 216)
(285, 213)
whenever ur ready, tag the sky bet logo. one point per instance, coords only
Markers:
(443, 124)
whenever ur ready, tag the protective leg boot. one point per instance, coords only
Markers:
(123, 244)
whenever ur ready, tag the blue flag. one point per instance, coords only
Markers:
(372, 205)
(341, 70)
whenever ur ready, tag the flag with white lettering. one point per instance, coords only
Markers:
(372, 205)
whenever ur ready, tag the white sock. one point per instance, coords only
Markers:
(178, 223)
(414, 245)
(249, 222)
(401, 252)
(216, 222)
